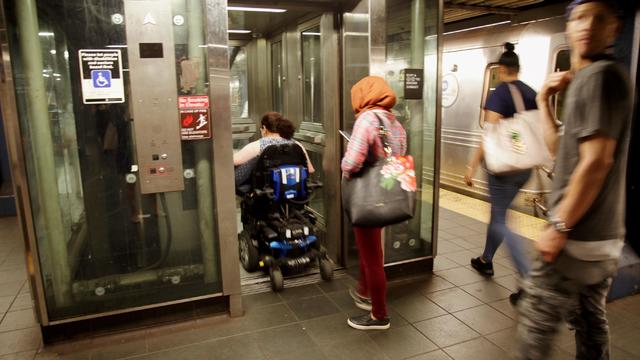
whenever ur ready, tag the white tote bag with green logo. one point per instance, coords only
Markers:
(516, 143)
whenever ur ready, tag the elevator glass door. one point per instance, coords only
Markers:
(114, 115)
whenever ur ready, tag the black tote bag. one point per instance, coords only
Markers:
(383, 193)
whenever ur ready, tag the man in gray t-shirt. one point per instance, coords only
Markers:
(580, 247)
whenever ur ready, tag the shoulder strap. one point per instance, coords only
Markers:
(383, 135)
(516, 95)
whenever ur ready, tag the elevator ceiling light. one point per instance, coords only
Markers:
(45, 33)
(255, 9)
(238, 31)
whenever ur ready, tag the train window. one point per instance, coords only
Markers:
(238, 83)
(276, 75)
(491, 81)
(562, 63)
(311, 74)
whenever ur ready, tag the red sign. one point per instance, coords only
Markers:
(194, 117)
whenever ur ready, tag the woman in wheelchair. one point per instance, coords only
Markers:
(278, 232)
(275, 129)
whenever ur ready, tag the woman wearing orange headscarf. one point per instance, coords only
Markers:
(372, 100)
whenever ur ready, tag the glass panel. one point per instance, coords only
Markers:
(276, 75)
(103, 245)
(238, 83)
(311, 75)
(412, 43)
(317, 200)
(563, 63)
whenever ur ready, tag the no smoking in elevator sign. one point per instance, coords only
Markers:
(194, 117)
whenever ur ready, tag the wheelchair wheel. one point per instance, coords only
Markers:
(326, 269)
(277, 280)
(249, 256)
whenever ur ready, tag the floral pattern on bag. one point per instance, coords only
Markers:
(400, 169)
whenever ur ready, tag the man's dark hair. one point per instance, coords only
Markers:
(614, 5)
(509, 58)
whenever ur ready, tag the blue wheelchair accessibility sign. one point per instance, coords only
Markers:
(101, 78)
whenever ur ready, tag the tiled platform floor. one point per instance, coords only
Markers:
(453, 314)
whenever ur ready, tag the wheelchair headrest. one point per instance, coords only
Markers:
(275, 157)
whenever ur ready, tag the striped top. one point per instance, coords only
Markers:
(365, 135)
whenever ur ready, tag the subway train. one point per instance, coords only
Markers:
(468, 77)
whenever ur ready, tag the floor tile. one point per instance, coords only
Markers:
(433, 284)
(354, 347)
(313, 307)
(443, 263)
(5, 303)
(477, 349)
(344, 302)
(487, 291)
(262, 299)
(336, 285)
(446, 330)
(300, 292)
(402, 342)
(447, 248)
(461, 230)
(506, 339)
(291, 340)
(464, 243)
(461, 257)
(123, 348)
(22, 302)
(20, 340)
(416, 307)
(26, 355)
(505, 307)
(16, 320)
(329, 329)
(509, 282)
(434, 355)
(484, 319)
(444, 235)
(454, 299)
(13, 275)
(460, 276)
(11, 288)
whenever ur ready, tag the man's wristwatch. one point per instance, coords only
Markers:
(559, 225)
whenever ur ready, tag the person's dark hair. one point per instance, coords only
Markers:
(285, 128)
(274, 122)
(270, 121)
(509, 59)
(614, 5)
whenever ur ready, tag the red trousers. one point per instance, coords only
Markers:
(373, 281)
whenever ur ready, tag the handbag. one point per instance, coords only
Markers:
(515, 143)
(383, 193)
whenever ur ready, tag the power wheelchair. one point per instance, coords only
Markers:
(279, 232)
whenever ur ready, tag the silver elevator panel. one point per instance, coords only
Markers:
(152, 71)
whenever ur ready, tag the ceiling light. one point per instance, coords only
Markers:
(478, 27)
(116, 46)
(311, 33)
(256, 9)
(45, 33)
(53, 52)
(238, 31)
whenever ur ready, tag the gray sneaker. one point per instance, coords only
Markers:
(361, 302)
(365, 322)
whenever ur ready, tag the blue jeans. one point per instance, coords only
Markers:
(503, 189)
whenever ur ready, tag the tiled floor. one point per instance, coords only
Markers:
(453, 314)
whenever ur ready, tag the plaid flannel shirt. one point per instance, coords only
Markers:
(365, 136)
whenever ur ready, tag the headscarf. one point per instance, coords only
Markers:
(372, 92)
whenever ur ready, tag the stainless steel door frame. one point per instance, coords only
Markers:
(224, 185)
(19, 172)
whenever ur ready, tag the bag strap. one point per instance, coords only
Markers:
(382, 132)
(516, 95)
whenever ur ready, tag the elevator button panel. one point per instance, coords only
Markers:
(154, 96)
